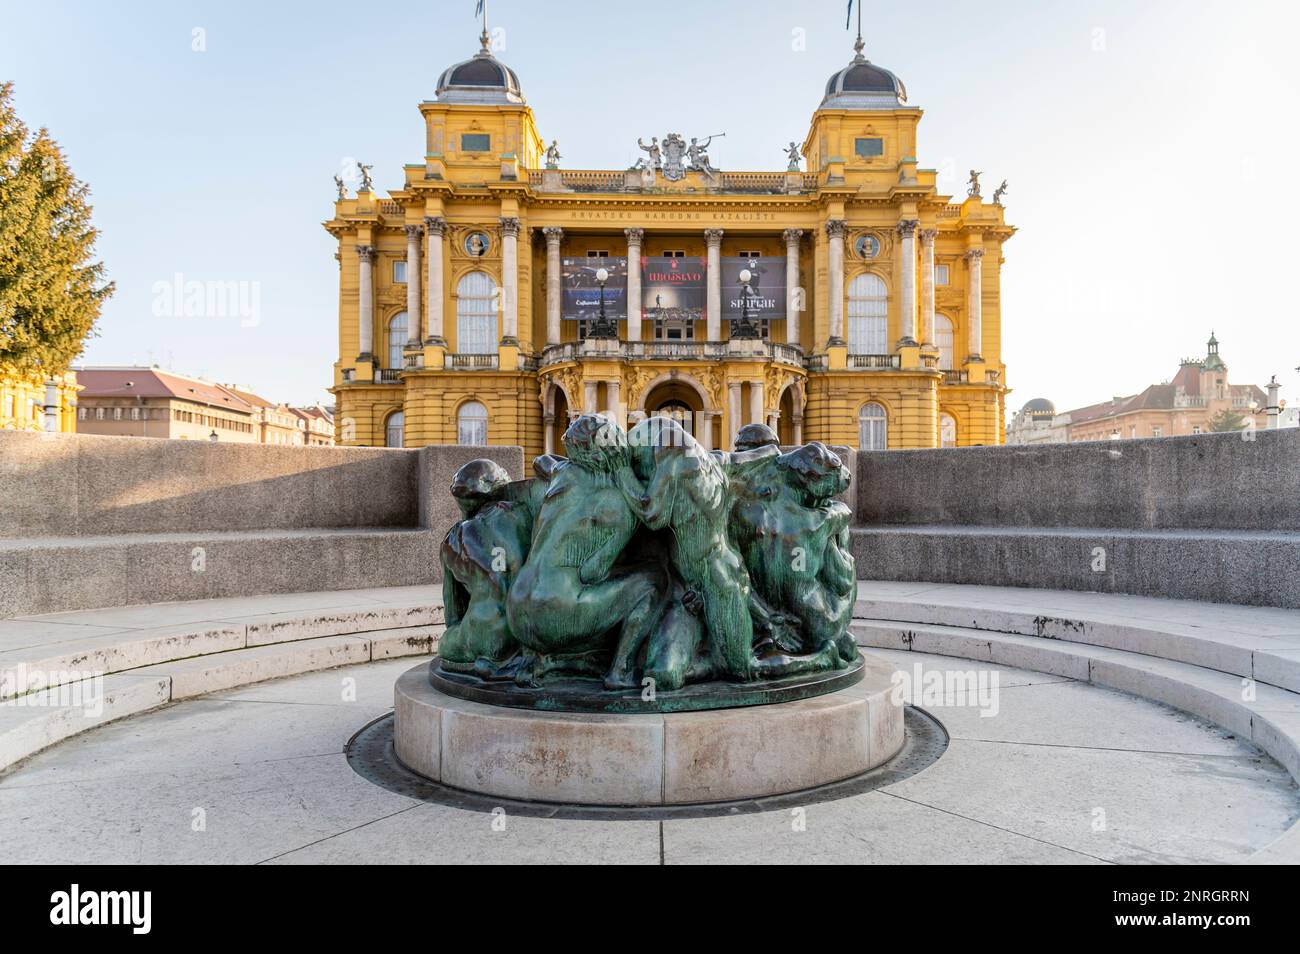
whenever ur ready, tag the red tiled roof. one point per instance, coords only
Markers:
(156, 383)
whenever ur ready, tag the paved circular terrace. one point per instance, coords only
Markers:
(1056, 770)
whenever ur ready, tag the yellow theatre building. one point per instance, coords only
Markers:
(498, 293)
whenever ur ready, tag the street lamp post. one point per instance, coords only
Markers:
(745, 328)
(604, 327)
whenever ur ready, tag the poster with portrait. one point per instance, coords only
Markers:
(581, 291)
(766, 297)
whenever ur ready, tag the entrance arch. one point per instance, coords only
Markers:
(555, 418)
(786, 410)
(681, 398)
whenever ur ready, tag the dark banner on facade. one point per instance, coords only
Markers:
(673, 288)
(582, 291)
(766, 288)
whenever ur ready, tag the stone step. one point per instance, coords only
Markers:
(1237, 640)
(68, 656)
(41, 719)
(1267, 715)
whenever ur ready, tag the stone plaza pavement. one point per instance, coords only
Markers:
(231, 718)
(260, 771)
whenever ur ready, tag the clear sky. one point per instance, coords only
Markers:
(1149, 148)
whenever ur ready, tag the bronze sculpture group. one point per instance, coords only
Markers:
(644, 559)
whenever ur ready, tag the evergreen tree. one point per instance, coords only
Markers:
(50, 288)
(1226, 420)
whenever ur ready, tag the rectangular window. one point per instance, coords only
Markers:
(749, 254)
(866, 148)
(399, 271)
(597, 253)
(674, 254)
(117, 414)
(81, 413)
(475, 142)
(1196, 429)
(135, 414)
(1157, 431)
(99, 413)
(1132, 431)
(941, 274)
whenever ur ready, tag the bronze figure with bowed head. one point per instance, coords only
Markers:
(570, 594)
(794, 538)
(481, 556)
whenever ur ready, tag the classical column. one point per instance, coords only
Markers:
(554, 289)
(793, 298)
(927, 286)
(975, 304)
(835, 268)
(365, 303)
(704, 429)
(510, 280)
(589, 397)
(796, 429)
(613, 399)
(714, 239)
(434, 226)
(907, 293)
(413, 324)
(756, 402)
(634, 237)
(548, 433)
(733, 412)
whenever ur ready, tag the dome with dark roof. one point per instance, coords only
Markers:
(481, 79)
(1039, 409)
(864, 85)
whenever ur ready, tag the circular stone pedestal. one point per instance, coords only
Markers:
(676, 758)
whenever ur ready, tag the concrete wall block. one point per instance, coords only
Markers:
(438, 465)
(117, 571)
(1201, 481)
(1257, 570)
(87, 484)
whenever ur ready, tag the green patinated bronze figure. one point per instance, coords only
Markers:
(794, 538)
(481, 556)
(644, 564)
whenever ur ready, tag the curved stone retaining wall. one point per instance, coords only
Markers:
(89, 521)
(1207, 517)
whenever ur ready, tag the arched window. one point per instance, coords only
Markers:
(396, 339)
(476, 314)
(943, 339)
(868, 315)
(394, 428)
(872, 427)
(471, 424)
(947, 430)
